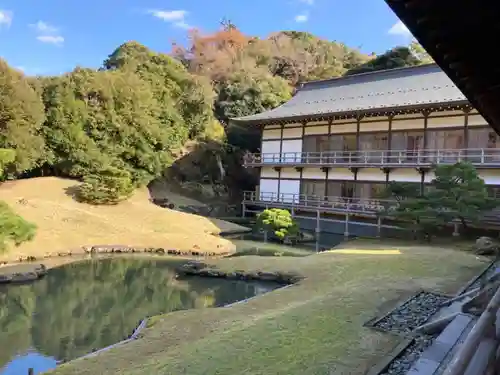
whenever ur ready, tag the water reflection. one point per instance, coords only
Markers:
(89, 305)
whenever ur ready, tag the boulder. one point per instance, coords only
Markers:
(486, 246)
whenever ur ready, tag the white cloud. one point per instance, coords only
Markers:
(399, 29)
(169, 15)
(6, 18)
(44, 28)
(47, 33)
(176, 18)
(301, 18)
(51, 39)
(308, 2)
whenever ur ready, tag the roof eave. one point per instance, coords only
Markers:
(348, 114)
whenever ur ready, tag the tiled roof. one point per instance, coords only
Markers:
(384, 89)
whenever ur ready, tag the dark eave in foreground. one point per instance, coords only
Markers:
(458, 34)
(384, 92)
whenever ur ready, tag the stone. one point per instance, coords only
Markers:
(267, 276)
(486, 246)
(5, 279)
(24, 277)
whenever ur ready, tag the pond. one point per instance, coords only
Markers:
(84, 306)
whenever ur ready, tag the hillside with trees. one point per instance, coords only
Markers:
(152, 115)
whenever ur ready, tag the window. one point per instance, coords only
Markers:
(370, 190)
(312, 192)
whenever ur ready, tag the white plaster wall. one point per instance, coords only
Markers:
(289, 191)
(405, 175)
(271, 134)
(344, 128)
(290, 173)
(290, 151)
(292, 133)
(408, 124)
(380, 124)
(268, 172)
(429, 176)
(445, 122)
(340, 174)
(268, 190)
(371, 174)
(270, 147)
(490, 176)
(475, 119)
(309, 130)
(313, 174)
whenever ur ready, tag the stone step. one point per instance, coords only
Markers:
(433, 358)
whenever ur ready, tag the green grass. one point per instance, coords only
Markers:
(312, 328)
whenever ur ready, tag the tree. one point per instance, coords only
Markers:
(460, 193)
(13, 228)
(175, 89)
(97, 119)
(7, 156)
(108, 186)
(277, 221)
(457, 193)
(398, 57)
(420, 53)
(21, 118)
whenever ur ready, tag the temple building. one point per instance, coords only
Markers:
(337, 143)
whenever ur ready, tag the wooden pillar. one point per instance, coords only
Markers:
(303, 135)
(346, 226)
(422, 180)
(327, 171)
(389, 139)
(243, 209)
(466, 130)
(281, 139)
(317, 229)
(329, 132)
(426, 118)
(279, 182)
(358, 125)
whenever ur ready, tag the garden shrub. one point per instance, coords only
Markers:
(109, 186)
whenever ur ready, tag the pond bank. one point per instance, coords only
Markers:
(82, 307)
(323, 314)
(21, 273)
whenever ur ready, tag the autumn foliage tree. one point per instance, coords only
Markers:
(142, 109)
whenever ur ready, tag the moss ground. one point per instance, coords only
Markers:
(64, 224)
(312, 328)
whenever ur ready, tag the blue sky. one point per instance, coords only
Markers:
(53, 36)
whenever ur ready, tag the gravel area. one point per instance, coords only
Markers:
(402, 363)
(405, 318)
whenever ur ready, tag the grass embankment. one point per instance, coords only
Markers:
(312, 328)
(66, 225)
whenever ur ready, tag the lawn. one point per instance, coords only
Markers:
(64, 224)
(312, 328)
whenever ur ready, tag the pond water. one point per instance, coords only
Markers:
(88, 305)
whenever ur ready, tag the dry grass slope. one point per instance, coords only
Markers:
(64, 224)
(312, 328)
